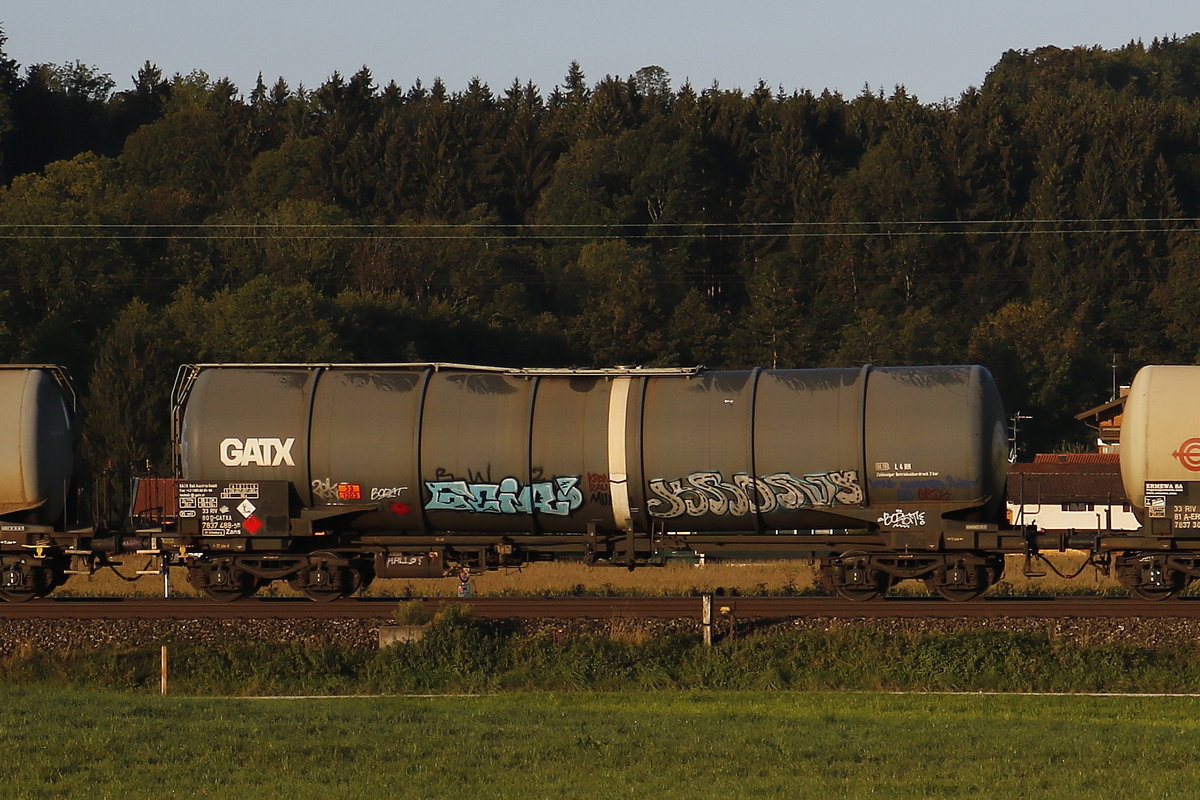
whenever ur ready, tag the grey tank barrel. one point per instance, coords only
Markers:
(37, 404)
(445, 447)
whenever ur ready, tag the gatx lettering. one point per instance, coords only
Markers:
(257, 452)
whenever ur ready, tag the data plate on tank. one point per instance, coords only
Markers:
(233, 508)
(1173, 507)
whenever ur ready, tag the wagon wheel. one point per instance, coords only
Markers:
(875, 583)
(1173, 579)
(320, 594)
(955, 594)
(18, 595)
(323, 583)
(958, 592)
(1154, 592)
(20, 582)
(860, 594)
(222, 581)
(1130, 575)
(223, 594)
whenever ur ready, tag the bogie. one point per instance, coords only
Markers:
(1153, 576)
(23, 579)
(222, 580)
(864, 576)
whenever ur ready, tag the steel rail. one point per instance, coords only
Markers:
(739, 608)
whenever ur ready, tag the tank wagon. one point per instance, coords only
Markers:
(45, 529)
(327, 475)
(1160, 467)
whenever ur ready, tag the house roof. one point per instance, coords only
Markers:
(1103, 412)
(1106, 418)
(1067, 478)
(1071, 458)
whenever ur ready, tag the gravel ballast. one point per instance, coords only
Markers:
(35, 635)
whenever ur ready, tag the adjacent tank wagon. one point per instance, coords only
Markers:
(37, 408)
(326, 475)
(45, 529)
(329, 475)
(1160, 467)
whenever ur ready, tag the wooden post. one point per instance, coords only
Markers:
(706, 619)
(164, 669)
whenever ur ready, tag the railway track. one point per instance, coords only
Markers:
(740, 608)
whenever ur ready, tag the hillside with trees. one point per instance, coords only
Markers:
(1042, 224)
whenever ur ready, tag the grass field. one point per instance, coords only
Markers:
(460, 655)
(567, 577)
(96, 746)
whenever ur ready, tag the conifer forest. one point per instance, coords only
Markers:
(1044, 224)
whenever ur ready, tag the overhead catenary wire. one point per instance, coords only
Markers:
(992, 221)
(592, 231)
(483, 232)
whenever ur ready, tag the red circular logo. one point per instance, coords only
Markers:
(1189, 454)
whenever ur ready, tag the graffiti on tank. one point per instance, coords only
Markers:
(703, 493)
(325, 489)
(481, 475)
(942, 489)
(598, 488)
(902, 519)
(328, 490)
(558, 496)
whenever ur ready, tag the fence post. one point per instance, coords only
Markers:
(706, 619)
(164, 669)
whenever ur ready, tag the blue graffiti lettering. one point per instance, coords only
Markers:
(558, 496)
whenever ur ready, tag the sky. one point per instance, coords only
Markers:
(934, 48)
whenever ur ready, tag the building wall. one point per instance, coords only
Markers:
(1048, 516)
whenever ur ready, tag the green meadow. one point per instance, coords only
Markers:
(480, 709)
(96, 745)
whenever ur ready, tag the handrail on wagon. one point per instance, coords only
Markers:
(445, 365)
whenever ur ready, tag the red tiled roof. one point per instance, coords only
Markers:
(1032, 488)
(1077, 458)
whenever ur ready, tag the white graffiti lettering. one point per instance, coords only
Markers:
(257, 452)
(325, 489)
(902, 519)
(704, 493)
(558, 496)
